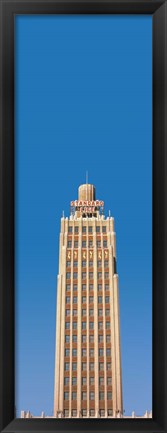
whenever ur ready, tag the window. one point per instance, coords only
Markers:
(101, 395)
(104, 229)
(74, 411)
(83, 263)
(91, 380)
(98, 243)
(68, 264)
(67, 287)
(99, 264)
(91, 366)
(70, 229)
(66, 413)
(92, 412)
(106, 263)
(66, 366)
(91, 352)
(67, 325)
(74, 312)
(100, 338)
(66, 381)
(74, 366)
(84, 380)
(90, 229)
(108, 352)
(83, 338)
(110, 412)
(99, 286)
(97, 229)
(90, 243)
(101, 380)
(84, 229)
(99, 299)
(100, 312)
(76, 229)
(74, 325)
(83, 244)
(107, 338)
(91, 311)
(91, 395)
(91, 325)
(68, 275)
(109, 381)
(106, 287)
(74, 338)
(101, 366)
(100, 325)
(99, 275)
(69, 244)
(102, 412)
(84, 299)
(84, 412)
(75, 244)
(75, 264)
(105, 243)
(90, 287)
(91, 275)
(83, 275)
(83, 352)
(100, 352)
(67, 338)
(91, 338)
(84, 396)
(67, 299)
(90, 263)
(74, 299)
(109, 395)
(107, 312)
(108, 365)
(84, 312)
(83, 286)
(75, 287)
(67, 352)
(74, 395)
(106, 275)
(74, 352)
(67, 312)
(84, 366)
(90, 299)
(107, 325)
(75, 275)
(107, 299)
(66, 395)
(83, 325)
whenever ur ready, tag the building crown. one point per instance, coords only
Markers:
(87, 205)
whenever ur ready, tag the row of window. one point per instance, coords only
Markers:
(75, 287)
(90, 244)
(90, 229)
(84, 366)
(91, 312)
(91, 352)
(86, 413)
(84, 380)
(75, 301)
(75, 275)
(84, 338)
(99, 264)
(84, 325)
(84, 395)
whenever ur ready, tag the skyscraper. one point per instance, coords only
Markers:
(88, 381)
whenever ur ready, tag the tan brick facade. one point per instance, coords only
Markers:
(88, 380)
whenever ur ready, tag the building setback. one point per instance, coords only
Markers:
(88, 381)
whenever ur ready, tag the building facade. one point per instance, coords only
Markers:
(88, 381)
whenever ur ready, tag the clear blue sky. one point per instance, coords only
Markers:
(83, 102)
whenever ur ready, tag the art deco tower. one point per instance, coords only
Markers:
(88, 380)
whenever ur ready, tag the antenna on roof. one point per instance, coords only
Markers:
(86, 177)
(63, 213)
(109, 212)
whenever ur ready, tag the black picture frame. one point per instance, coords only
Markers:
(158, 10)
